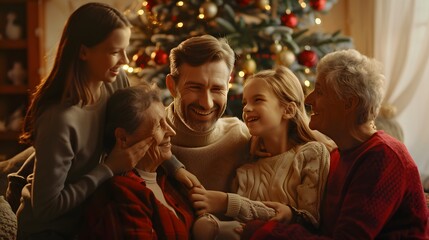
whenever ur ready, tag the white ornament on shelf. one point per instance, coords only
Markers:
(17, 74)
(12, 31)
(16, 119)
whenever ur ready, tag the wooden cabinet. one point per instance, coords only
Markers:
(20, 66)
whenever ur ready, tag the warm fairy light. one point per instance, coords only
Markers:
(130, 70)
(125, 67)
(307, 70)
(144, 3)
(241, 73)
(318, 21)
(303, 4)
(201, 16)
(140, 12)
(180, 4)
(307, 83)
(179, 24)
(229, 85)
(135, 57)
(267, 7)
(288, 11)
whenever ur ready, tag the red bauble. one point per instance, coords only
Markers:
(289, 20)
(142, 60)
(161, 57)
(243, 3)
(308, 58)
(150, 4)
(318, 5)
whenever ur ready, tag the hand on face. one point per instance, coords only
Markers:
(122, 158)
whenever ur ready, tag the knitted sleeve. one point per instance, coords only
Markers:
(244, 209)
(314, 157)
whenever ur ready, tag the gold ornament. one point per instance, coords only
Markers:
(208, 9)
(276, 47)
(286, 57)
(262, 4)
(249, 65)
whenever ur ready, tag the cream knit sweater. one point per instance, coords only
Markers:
(212, 156)
(296, 178)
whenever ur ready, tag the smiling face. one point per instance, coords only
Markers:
(200, 94)
(328, 111)
(262, 110)
(104, 60)
(154, 125)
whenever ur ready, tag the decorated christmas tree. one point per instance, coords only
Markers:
(261, 32)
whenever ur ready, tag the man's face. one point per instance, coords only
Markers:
(201, 93)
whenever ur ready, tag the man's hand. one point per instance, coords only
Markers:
(205, 201)
(188, 179)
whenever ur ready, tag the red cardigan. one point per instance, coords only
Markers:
(124, 208)
(373, 192)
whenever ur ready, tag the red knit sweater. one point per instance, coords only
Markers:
(124, 208)
(373, 192)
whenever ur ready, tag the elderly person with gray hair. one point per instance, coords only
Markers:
(373, 189)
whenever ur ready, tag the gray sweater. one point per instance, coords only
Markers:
(68, 143)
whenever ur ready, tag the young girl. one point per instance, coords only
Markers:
(294, 174)
(65, 119)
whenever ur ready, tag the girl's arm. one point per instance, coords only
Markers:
(230, 204)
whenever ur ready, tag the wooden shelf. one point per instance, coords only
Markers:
(12, 1)
(28, 51)
(9, 135)
(12, 90)
(13, 44)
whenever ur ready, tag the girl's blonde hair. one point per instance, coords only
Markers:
(287, 88)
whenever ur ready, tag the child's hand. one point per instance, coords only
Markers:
(283, 212)
(188, 179)
(123, 158)
(205, 201)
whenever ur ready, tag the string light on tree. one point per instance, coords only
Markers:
(262, 33)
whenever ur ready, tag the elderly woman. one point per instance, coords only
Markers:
(142, 203)
(374, 189)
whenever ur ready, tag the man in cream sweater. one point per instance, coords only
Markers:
(209, 146)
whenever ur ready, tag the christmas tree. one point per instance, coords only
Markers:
(261, 32)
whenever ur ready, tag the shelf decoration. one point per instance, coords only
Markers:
(17, 74)
(13, 31)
